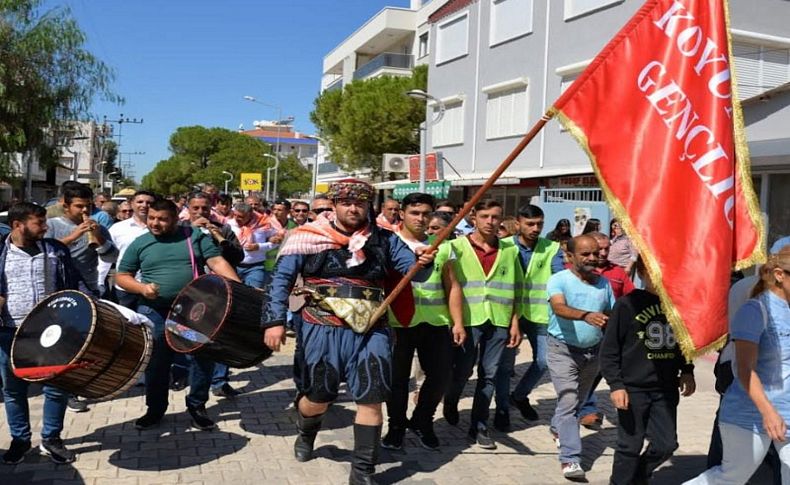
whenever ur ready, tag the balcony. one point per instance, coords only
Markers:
(335, 85)
(387, 63)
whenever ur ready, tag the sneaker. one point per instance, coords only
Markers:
(450, 412)
(77, 405)
(591, 421)
(502, 421)
(555, 437)
(16, 452)
(572, 470)
(481, 437)
(179, 384)
(393, 439)
(53, 447)
(427, 437)
(148, 420)
(200, 418)
(225, 391)
(523, 405)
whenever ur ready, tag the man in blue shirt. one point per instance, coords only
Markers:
(579, 301)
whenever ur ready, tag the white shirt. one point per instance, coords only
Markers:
(260, 237)
(122, 233)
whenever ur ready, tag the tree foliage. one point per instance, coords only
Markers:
(47, 78)
(201, 154)
(370, 117)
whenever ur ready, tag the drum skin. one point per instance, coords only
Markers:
(101, 352)
(226, 316)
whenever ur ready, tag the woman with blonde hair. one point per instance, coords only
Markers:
(756, 408)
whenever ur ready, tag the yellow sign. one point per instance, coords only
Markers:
(251, 181)
(321, 188)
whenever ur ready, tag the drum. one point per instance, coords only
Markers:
(81, 345)
(218, 319)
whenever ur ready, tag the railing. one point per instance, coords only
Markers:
(386, 59)
(336, 84)
(570, 195)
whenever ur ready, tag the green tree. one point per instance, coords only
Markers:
(201, 154)
(369, 118)
(47, 79)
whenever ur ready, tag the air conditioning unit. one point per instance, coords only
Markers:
(396, 163)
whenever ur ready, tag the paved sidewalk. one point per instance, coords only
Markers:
(256, 430)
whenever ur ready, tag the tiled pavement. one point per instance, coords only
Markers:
(254, 442)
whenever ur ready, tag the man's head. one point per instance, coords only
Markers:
(391, 209)
(299, 212)
(28, 221)
(141, 201)
(162, 217)
(488, 217)
(125, 210)
(77, 203)
(242, 213)
(110, 208)
(224, 204)
(99, 201)
(281, 209)
(583, 254)
(199, 205)
(603, 248)
(530, 222)
(321, 203)
(254, 201)
(352, 202)
(415, 211)
(210, 189)
(445, 206)
(437, 222)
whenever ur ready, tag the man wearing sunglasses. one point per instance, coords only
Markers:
(320, 204)
(299, 212)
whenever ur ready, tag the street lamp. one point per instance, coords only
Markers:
(422, 95)
(253, 99)
(101, 175)
(323, 142)
(228, 180)
(268, 171)
(112, 182)
(74, 155)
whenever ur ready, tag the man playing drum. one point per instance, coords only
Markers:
(25, 257)
(168, 257)
(344, 260)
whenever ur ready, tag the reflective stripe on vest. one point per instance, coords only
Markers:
(488, 297)
(430, 302)
(534, 303)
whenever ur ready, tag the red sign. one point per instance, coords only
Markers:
(659, 116)
(433, 167)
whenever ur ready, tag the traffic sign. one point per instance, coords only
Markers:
(251, 181)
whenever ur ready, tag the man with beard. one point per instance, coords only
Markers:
(200, 216)
(579, 301)
(168, 257)
(31, 268)
(420, 317)
(344, 262)
(540, 258)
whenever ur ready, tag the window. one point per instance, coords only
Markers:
(450, 129)
(507, 111)
(422, 48)
(452, 39)
(759, 68)
(575, 8)
(565, 83)
(509, 19)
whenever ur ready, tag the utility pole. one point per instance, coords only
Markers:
(120, 122)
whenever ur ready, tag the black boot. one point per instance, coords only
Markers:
(366, 454)
(307, 427)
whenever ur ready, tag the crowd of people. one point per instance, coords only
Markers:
(494, 282)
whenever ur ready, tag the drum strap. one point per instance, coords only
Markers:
(188, 233)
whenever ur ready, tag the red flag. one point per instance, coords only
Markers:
(658, 114)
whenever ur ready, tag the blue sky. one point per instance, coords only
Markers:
(182, 63)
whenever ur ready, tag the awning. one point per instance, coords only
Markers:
(437, 189)
(511, 177)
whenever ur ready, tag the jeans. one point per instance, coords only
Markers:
(744, 450)
(572, 372)
(15, 397)
(590, 405)
(220, 376)
(433, 347)
(536, 334)
(650, 414)
(254, 276)
(157, 374)
(484, 344)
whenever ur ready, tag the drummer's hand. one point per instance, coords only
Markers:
(150, 291)
(273, 337)
(252, 247)
(424, 256)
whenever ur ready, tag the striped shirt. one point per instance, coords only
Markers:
(29, 281)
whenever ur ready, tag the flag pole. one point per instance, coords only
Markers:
(442, 235)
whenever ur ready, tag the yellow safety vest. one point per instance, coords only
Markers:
(491, 297)
(534, 304)
(430, 301)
